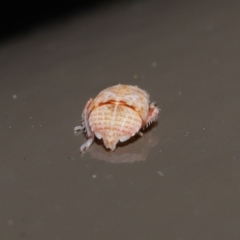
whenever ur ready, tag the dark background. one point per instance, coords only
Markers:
(21, 18)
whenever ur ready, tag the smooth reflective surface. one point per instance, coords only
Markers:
(180, 181)
(133, 150)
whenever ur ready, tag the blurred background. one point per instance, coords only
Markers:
(22, 18)
(180, 181)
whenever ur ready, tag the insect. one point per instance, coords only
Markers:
(117, 114)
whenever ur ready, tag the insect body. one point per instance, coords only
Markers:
(116, 114)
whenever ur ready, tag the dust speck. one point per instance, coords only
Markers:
(10, 222)
(160, 173)
(135, 76)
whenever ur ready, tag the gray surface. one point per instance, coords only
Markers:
(183, 179)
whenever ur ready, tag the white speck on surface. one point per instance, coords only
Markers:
(32, 126)
(30, 117)
(10, 222)
(135, 76)
(94, 176)
(203, 128)
(154, 64)
(10, 127)
(179, 93)
(187, 134)
(160, 150)
(160, 173)
(14, 96)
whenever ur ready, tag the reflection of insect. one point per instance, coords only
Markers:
(116, 114)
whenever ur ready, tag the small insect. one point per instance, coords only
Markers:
(117, 114)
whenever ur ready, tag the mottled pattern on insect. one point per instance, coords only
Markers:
(117, 114)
